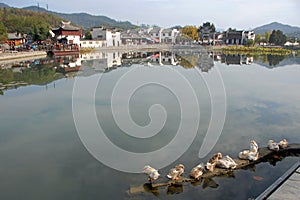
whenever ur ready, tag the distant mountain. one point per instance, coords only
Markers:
(86, 20)
(292, 31)
(3, 5)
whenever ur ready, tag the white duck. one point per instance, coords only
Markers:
(210, 165)
(226, 162)
(151, 172)
(253, 146)
(197, 171)
(251, 154)
(283, 144)
(176, 172)
(273, 145)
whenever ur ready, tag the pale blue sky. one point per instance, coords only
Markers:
(223, 13)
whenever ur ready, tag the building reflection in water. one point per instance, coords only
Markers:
(236, 59)
(102, 61)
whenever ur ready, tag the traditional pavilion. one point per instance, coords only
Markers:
(67, 33)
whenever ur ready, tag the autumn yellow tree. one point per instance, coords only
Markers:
(190, 31)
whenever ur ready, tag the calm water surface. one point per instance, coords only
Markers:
(42, 156)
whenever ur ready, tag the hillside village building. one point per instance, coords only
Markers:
(136, 37)
(16, 39)
(168, 36)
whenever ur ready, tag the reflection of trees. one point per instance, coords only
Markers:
(36, 75)
(200, 60)
(186, 62)
(275, 59)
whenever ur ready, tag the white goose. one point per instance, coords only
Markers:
(226, 162)
(252, 154)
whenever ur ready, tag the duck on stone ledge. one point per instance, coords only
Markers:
(151, 172)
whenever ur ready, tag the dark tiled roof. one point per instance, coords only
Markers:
(155, 30)
(234, 35)
(167, 31)
(14, 36)
(67, 26)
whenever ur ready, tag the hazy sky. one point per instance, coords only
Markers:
(241, 14)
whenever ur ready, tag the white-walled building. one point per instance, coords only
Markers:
(93, 43)
(168, 36)
(288, 43)
(249, 35)
(112, 37)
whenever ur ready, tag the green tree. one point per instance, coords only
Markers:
(191, 32)
(88, 35)
(37, 24)
(257, 39)
(277, 37)
(250, 43)
(267, 36)
(3, 33)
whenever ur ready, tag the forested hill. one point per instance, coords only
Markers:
(286, 29)
(3, 5)
(85, 20)
(27, 22)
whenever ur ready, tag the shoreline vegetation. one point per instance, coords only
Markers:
(256, 50)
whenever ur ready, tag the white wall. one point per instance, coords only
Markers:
(113, 38)
(111, 58)
(76, 39)
(92, 43)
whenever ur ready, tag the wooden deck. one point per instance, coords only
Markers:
(287, 187)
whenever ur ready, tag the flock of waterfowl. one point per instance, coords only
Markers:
(216, 161)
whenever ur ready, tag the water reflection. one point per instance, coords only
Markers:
(175, 189)
(54, 163)
(49, 69)
(236, 59)
(36, 72)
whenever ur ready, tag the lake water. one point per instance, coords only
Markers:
(42, 141)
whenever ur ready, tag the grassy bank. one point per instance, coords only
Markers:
(256, 50)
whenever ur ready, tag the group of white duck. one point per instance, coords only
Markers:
(217, 160)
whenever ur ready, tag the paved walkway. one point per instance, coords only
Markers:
(286, 187)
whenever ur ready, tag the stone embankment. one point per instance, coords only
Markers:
(16, 56)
